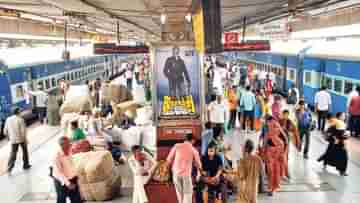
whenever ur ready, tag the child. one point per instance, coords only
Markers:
(258, 111)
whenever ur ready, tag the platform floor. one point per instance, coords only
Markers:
(310, 183)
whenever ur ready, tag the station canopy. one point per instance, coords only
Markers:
(141, 19)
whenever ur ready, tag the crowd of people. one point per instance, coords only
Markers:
(245, 103)
(252, 105)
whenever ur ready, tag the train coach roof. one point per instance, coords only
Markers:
(18, 57)
(340, 49)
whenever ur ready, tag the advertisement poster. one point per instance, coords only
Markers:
(177, 81)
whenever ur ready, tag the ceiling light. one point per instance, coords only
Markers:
(36, 18)
(163, 18)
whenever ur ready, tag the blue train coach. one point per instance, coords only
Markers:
(16, 79)
(310, 65)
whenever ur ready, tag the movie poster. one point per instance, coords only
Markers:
(177, 81)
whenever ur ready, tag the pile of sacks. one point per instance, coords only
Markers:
(115, 93)
(99, 178)
(77, 99)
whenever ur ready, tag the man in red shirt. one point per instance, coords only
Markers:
(354, 110)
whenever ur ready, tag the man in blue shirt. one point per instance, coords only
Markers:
(247, 103)
(206, 137)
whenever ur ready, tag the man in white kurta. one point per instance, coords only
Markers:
(142, 165)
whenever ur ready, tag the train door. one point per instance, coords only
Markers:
(300, 75)
(5, 100)
(284, 74)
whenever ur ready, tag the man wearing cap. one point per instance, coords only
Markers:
(15, 129)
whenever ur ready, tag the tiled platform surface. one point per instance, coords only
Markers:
(310, 183)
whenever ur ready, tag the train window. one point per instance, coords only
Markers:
(281, 71)
(20, 91)
(348, 87)
(53, 82)
(338, 85)
(307, 77)
(40, 84)
(292, 74)
(47, 84)
(328, 82)
(72, 75)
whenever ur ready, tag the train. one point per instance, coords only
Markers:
(334, 64)
(17, 79)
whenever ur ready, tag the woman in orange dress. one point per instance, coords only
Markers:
(274, 155)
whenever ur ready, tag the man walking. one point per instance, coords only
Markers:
(217, 113)
(15, 129)
(351, 126)
(41, 101)
(129, 77)
(323, 106)
(248, 102)
(354, 111)
(304, 120)
(64, 174)
(181, 157)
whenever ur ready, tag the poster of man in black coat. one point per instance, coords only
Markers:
(177, 74)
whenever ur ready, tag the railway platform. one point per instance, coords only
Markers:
(309, 182)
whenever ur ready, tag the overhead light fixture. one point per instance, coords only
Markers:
(188, 17)
(36, 18)
(163, 18)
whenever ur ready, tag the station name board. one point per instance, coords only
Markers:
(112, 48)
(263, 45)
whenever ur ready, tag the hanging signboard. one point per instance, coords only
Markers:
(275, 30)
(112, 48)
(231, 37)
(256, 45)
(177, 82)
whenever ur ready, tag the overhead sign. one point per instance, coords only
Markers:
(263, 45)
(275, 30)
(112, 48)
(231, 37)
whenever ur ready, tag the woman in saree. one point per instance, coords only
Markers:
(274, 153)
(248, 174)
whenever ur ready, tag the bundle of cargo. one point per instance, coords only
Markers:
(128, 106)
(114, 92)
(77, 100)
(99, 179)
(80, 146)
